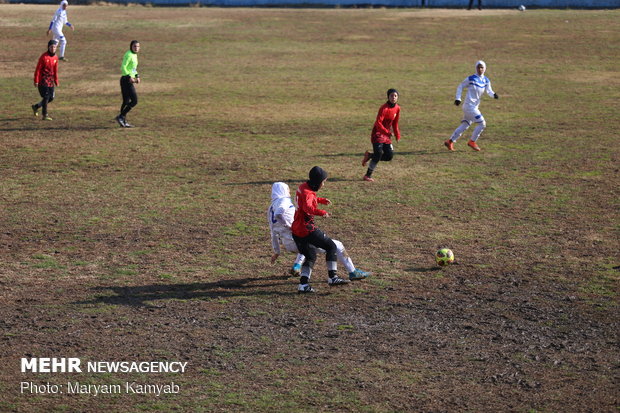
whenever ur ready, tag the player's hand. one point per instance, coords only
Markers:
(137, 80)
(36, 84)
(457, 102)
(72, 28)
(327, 215)
(398, 139)
(274, 257)
(48, 33)
(327, 201)
(495, 96)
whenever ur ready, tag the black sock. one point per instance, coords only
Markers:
(332, 273)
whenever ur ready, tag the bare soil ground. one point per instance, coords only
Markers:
(150, 244)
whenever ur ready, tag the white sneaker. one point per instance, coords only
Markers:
(305, 288)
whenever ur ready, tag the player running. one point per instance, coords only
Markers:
(381, 136)
(476, 85)
(56, 25)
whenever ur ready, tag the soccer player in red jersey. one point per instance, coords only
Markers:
(381, 136)
(308, 236)
(46, 78)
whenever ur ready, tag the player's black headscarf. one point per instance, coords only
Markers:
(317, 175)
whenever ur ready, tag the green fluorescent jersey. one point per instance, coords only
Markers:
(130, 64)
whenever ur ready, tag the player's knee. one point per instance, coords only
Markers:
(331, 251)
(387, 156)
(377, 155)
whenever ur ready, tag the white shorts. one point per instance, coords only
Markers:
(472, 115)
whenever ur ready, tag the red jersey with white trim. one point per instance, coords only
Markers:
(307, 202)
(46, 73)
(387, 120)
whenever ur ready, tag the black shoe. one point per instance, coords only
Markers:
(35, 110)
(121, 121)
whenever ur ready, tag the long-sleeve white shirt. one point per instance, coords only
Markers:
(280, 215)
(476, 86)
(59, 20)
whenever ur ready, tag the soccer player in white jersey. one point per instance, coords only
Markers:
(56, 25)
(280, 217)
(476, 85)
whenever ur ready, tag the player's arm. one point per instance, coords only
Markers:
(37, 72)
(395, 125)
(459, 91)
(490, 91)
(308, 207)
(56, 73)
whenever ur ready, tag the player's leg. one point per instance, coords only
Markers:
(290, 246)
(62, 43)
(309, 251)
(47, 93)
(320, 240)
(388, 152)
(480, 126)
(377, 154)
(459, 130)
(347, 262)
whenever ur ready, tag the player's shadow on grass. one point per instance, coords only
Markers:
(290, 182)
(423, 269)
(48, 127)
(145, 295)
(396, 154)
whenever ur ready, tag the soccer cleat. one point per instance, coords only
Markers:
(358, 274)
(35, 110)
(337, 281)
(120, 120)
(305, 289)
(473, 145)
(46, 117)
(128, 125)
(366, 158)
(64, 59)
(449, 144)
(296, 270)
(368, 179)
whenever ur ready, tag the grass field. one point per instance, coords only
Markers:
(151, 244)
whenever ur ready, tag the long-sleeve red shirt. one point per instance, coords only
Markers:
(307, 202)
(46, 73)
(387, 120)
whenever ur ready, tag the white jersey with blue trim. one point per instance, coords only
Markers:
(59, 20)
(476, 86)
(280, 215)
